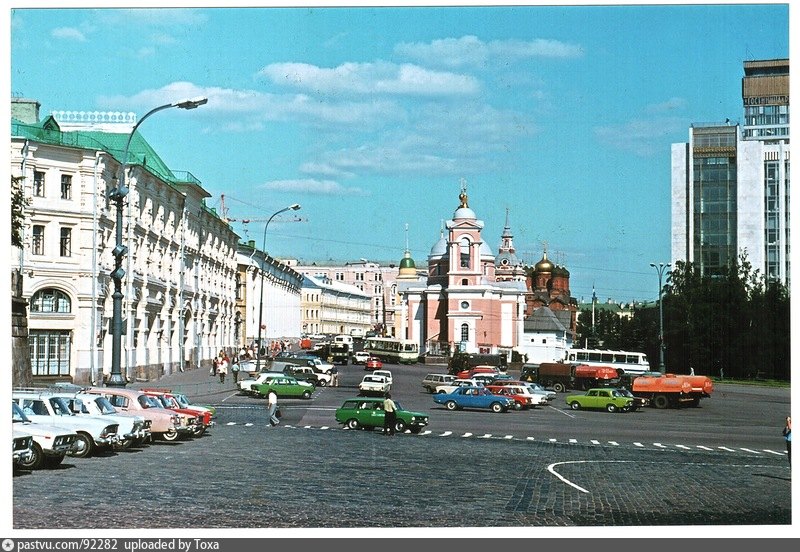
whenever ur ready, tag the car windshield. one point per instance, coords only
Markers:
(104, 405)
(623, 393)
(182, 400)
(60, 406)
(149, 402)
(17, 415)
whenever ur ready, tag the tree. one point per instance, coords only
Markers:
(18, 204)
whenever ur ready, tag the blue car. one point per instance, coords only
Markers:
(473, 397)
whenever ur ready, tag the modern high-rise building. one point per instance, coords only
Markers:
(731, 183)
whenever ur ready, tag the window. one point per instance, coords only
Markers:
(66, 242)
(50, 300)
(50, 352)
(38, 183)
(66, 186)
(37, 244)
(464, 332)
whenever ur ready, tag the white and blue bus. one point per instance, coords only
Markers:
(629, 362)
(393, 350)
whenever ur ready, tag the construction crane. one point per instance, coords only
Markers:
(224, 215)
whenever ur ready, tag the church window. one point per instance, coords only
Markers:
(464, 332)
(465, 247)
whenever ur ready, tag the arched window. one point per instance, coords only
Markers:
(50, 300)
(465, 332)
(465, 246)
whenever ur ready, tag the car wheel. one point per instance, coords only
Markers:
(611, 408)
(306, 394)
(352, 423)
(399, 426)
(125, 444)
(35, 460)
(440, 392)
(322, 383)
(497, 407)
(660, 401)
(575, 405)
(83, 446)
(451, 405)
(559, 387)
(198, 431)
(518, 406)
(171, 435)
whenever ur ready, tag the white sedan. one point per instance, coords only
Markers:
(360, 357)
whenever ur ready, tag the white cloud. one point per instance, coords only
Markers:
(68, 33)
(471, 51)
(312, 186)
(642, 137)
(370, 78)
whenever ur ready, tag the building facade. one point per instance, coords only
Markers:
(731, 184)
(180, 267)
(330, 307)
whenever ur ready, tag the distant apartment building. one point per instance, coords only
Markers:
(731, 184)
(332, 307)
(179, 285)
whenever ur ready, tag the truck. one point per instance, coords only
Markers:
(561, 376)
(671, 390)
(460, 362)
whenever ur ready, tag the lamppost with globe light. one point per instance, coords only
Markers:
(660, 268)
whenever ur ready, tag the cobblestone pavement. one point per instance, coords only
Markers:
(245, 475)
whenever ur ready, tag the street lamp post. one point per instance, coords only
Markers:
(293, 207)
(660, 268)
(120, 250)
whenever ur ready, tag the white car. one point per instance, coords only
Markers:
(360, 357)
(93, 432)
(374, 385)
(537, 388)
(450, 387)
(133, 429)
(246, 386)
(51, 443)
(385, 373)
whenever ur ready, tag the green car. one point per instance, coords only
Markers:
(606, 398)
(367, 413)
(284, 386)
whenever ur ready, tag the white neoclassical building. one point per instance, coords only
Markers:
(179, 288)
(333, 307)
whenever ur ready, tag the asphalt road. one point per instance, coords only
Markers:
(722, 464)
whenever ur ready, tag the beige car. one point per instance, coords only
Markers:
(164, 424)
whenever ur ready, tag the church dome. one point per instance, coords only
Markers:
(464, 213)
(486, 251)
(407, 262)
(439, 249)
(544, 265)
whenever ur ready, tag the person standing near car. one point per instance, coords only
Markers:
(787, 435)
(222, 367)
(272, 406)
(389, 415)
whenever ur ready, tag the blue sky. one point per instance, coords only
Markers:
(370, 117)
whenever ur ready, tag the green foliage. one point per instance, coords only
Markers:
(734, 325)
(18, 204)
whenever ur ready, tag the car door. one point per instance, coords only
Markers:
(593, 399)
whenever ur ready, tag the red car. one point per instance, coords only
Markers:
(467, 374)
(199, 420)
(373, 363)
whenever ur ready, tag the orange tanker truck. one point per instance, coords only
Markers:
(672, 390)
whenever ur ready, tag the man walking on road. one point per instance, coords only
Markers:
(787, 434)
(272, 406)
(389, 415)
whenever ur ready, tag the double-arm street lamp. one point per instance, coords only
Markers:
(120, 250)
(293, 207)
(660, 268)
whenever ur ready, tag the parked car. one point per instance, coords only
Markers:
(605, 398)
(473, 397)
(455, 384)
(133, 429)
(21, 448)
(302, 360)
(303, 373)
(93, 433)
(246, 386)
(197, 420)
(430, 381)
(367, 413)
(164, 424)
(538, 388)
(638, 402)
(284, 386)
(522, 396)
(359, 357)
(534, 388)
(373, 363)
(385, 373)
(51, 443)
(374, 385)
(184, 401)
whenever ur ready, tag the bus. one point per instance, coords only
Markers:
(628, 362)
(393, 350)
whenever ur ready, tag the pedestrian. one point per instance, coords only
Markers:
(272, 406)
(389, 415)
(334, 377)
(213, 371)
(787, 434)
(235, 369)
(222, 367)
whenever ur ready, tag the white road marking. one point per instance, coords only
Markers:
(726, 448)
(446, 434)
(573, 441)
(775, 452)
(704, 448)
(659, 445)
(485, 436)
(467, 435)
(683, 447)
(638, 444)
(613, 443)
(530, 438)
(750, 450)
(594, 442)
(508, 437)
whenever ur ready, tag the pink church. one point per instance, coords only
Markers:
(464, 304)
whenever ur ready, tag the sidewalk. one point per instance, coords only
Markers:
(195, 383)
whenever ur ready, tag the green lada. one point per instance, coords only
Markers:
(367, 413)
(284, 386)
(607, 398)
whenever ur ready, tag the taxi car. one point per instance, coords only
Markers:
(367, 413)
